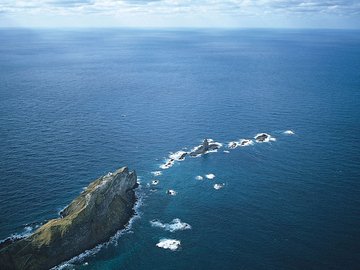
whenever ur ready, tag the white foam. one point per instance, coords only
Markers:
(177, 155)
(210, 176)
(171, 192)
(226, 151)
(289, 132)
(199, 177)
(156, 173)
(171, 244)
(155, 182)
(28, 230)
(175, 225)
(219, 186)
(168, 163)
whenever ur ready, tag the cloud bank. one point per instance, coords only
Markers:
(184, 12)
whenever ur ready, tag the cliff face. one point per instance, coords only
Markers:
(102, 209)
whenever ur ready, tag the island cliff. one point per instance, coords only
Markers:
(103, 208)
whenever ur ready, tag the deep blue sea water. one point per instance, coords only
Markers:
(76, 104)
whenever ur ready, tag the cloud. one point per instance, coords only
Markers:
(171, 6)
(211, 9)
(69, 3)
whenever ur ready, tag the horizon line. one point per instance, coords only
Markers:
(176, 28)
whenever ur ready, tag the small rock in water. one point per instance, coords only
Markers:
(168, 164)
(171, 192)
(261, 137)
(155, 182)
(246, 142)
(233, 145)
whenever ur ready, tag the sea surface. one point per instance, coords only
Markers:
(77, 104)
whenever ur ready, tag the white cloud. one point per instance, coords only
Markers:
(227, 10)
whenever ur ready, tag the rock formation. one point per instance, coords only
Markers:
(261, 137)
(204, 148)
(103, 208)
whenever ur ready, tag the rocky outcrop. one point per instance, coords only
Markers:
(183, 155)
(103, 208)
(262, 137)
(207, 145)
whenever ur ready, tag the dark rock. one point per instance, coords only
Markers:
(262, 137)
(183, 155)
(205, 147)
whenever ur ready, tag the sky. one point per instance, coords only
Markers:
(181, 13)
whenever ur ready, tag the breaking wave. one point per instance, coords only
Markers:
(171, 244)
(175, 225)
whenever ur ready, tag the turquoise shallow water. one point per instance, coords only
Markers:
(77, 104)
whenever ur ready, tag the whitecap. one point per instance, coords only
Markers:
(226, 151)
(171, 244)
(219, 186)
(156, 173)
(178, 156)
(210, 176)
(289, 132)
(199, 177)
(28, 230)
(168, 163)
(175, 225)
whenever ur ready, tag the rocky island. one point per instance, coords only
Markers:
(103, 208)
(207, 145)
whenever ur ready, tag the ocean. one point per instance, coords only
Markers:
(78, 103)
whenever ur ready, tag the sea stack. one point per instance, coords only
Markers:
(102, 209)
(206, 146)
